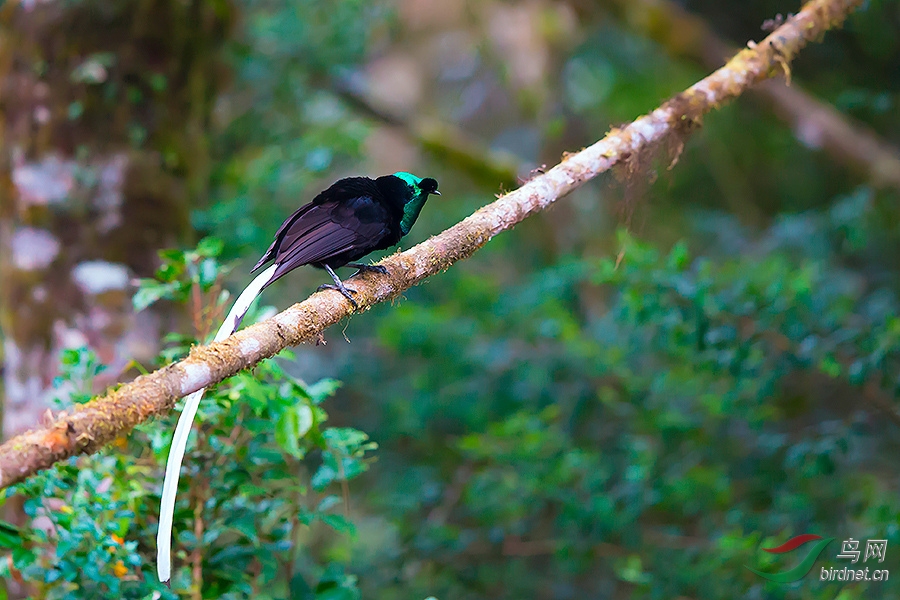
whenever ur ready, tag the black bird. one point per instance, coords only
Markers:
(352, 218)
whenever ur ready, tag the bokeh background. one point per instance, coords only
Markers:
(628, 396)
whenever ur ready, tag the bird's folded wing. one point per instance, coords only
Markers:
(329, 230)
(273, 248)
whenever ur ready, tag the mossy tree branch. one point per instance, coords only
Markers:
(816, 124)
(88, 427)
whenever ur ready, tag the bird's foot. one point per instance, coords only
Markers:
(362, 268)
(343, 289)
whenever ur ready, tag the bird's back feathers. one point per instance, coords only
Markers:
(350, 219)
(334, 234)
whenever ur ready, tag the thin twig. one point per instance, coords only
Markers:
(345, 486)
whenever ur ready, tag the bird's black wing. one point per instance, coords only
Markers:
(325, 231)
(344, 190)
(273, 248)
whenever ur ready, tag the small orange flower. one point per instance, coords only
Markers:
(119, 569)
(116, 541)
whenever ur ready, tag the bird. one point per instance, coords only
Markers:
(342, 224)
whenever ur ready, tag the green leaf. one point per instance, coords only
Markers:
(172, 255)
(630, 569)
(299, 589)
(323, 476)
(344, 437)
(169, 272)
(322, 389)
(149, 293)
(210, 247)
(339, 523)
(679, 257)
(246, 524)
(328, 502)
(305, 419)
(207, 273)
(830, 366)
(10, 535)
(287, 434)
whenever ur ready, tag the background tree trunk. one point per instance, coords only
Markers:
(105, 112)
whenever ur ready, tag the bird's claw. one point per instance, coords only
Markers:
(344, 290)
(362, 268)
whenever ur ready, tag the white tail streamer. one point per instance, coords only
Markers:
(183, 430)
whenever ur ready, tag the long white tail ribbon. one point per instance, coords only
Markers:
(183, 430)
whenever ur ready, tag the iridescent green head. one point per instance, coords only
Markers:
(419, 188)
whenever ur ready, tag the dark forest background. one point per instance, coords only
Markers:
(628, 396)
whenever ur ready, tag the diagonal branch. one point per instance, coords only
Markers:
(816, 124)
(88, 427)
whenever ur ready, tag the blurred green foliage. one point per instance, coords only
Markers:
(713, 406)
(583, 409)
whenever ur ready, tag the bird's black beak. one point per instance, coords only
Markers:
(436, 193)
